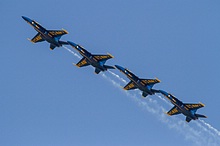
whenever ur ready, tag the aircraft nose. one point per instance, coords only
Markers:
(72, 44)
(27, 19)
(119, 68)
(163, 92)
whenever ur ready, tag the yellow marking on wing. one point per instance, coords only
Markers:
(75, 65)
(30, 40)
(167, 113)
(110, 55)
(202, 104)
(129, 86)
(143, 83)
(158, 80)
(173, 111)
(65, 31)
(194, 105)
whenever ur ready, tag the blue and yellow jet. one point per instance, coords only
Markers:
(97, 61)
(187, 109)
(144, 85)
(51, 36)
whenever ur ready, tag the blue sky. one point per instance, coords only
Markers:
(45, 100)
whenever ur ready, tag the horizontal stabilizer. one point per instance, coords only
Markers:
(200, 116)
(63, 43)
(155, 91)
(109, 67)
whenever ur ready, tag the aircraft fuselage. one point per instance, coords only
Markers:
(44, 32)
(91, 60)
(139, 84)
(179, 104)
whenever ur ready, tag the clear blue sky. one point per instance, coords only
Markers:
(46, 101)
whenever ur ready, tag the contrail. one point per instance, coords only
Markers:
(199, 136)
(76, 55)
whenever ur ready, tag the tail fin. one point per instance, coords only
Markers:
(188, 119)
(109, 67)
(144, 94)
(200, 116)
(52, 46)
(97, 71)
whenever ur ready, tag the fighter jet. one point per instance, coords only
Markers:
(96, 61)
(187, 109)
(144, 85)
(51, 36)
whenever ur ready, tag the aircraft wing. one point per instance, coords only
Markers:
(149, 81)
(57, 32)
(37, 38)
(82, 62)
(194, 106)
(173, 111)
(102, 57)
(130, 86)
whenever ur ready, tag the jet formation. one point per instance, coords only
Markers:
(98, 62)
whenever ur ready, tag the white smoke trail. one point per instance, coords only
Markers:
(214, 140)
(198, 137)
(163, 99)
(153, 107)
(210, 127)
(76, 55)
(117, 76)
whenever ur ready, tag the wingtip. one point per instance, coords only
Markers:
(202, 104)
(30, 40)
(65, 30)
(166, 113)
(110, 55)
(158, 80)
(75, 65)
(122, 87)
